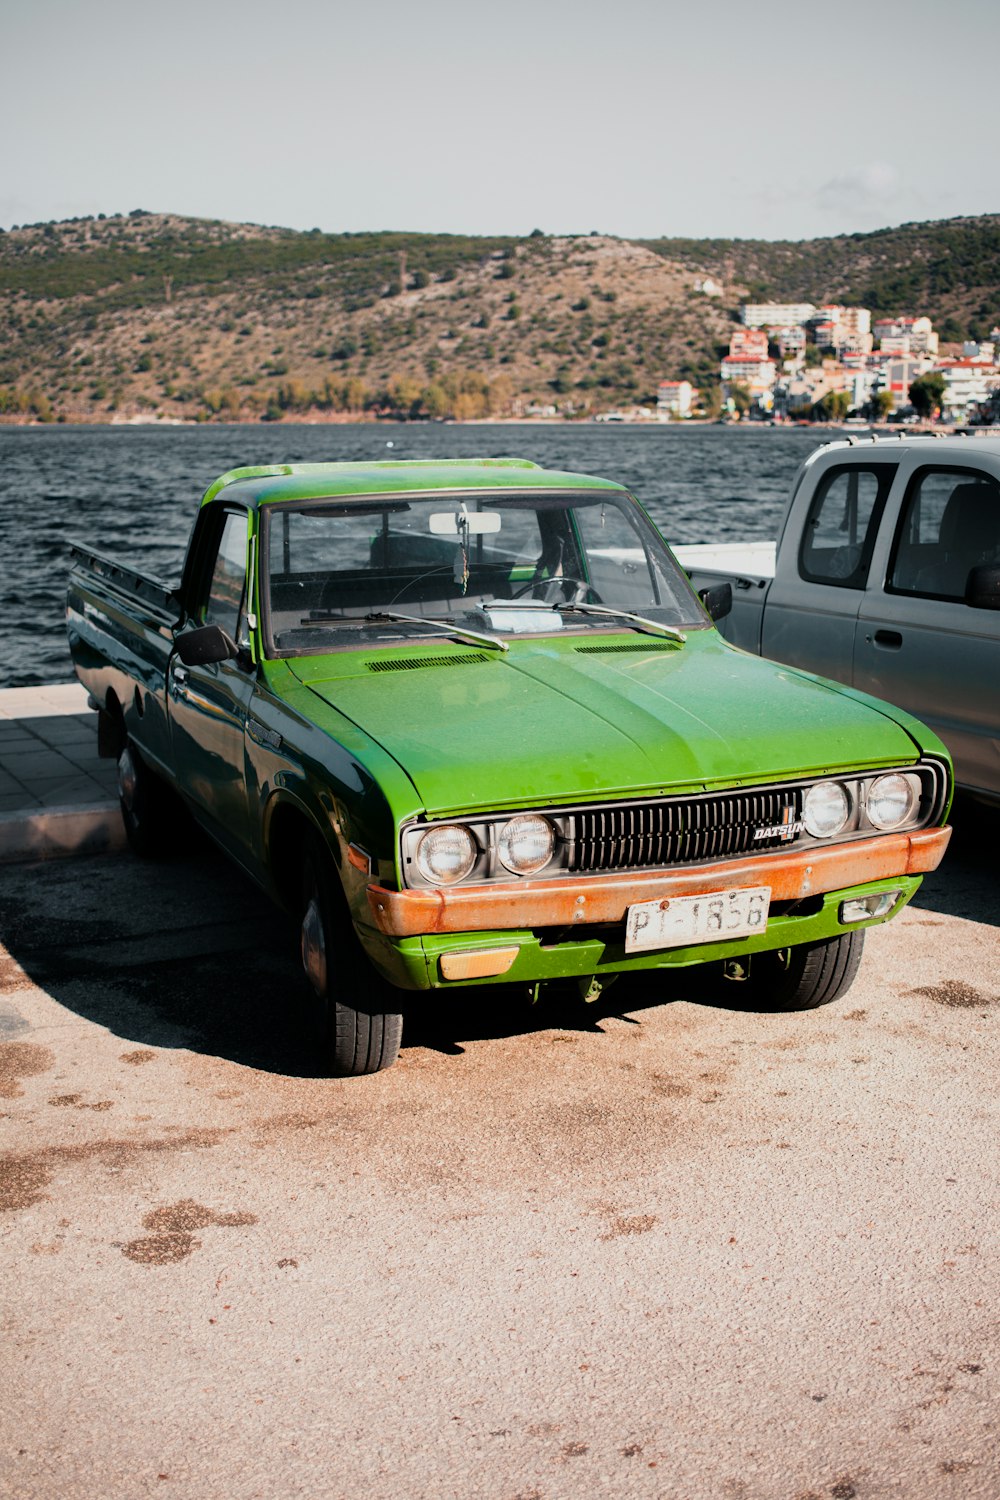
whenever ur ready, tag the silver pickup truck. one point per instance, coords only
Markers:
(885, 576)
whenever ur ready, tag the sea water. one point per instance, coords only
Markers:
(132, 492)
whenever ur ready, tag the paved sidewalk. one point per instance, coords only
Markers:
(56, 796)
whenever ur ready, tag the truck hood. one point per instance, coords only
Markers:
(554, 722)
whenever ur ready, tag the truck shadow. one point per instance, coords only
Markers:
(185, 953)
(188, 954)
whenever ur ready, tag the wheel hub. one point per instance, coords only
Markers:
(126, 779)
(314, 948)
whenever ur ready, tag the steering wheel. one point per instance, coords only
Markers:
(546, 589)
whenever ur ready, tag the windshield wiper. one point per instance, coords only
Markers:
(655, 626)
(459, 630)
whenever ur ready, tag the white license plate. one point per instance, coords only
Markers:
(678, 921)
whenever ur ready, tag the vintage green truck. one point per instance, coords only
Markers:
(470, 723)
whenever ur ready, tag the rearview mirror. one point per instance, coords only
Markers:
(471, 522)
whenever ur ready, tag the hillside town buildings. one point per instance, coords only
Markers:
(785, 357)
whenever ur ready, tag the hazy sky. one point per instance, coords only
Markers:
(631, 117)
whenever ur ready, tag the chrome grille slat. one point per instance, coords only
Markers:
(681, 831)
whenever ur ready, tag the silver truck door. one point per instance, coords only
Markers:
(820, 576)
(207, 705)
(918, 643)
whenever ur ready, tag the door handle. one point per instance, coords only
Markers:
(892, 639)
(180, 675)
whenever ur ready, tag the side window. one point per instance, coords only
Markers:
(950, 525)
(842, 523)
(225, 590)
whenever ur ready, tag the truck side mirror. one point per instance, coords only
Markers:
(205, 645)
(718, 600)
(982, 591)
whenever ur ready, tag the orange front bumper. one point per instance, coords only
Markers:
(605, 898)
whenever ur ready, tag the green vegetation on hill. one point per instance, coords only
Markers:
(154, 313)
(948, 269)
(122, 258)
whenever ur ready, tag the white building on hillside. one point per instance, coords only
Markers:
(968, 382)
(791, 341)
(748, 343)
(674, 398)
(775, 314)
(856, 321)
(899, 371)
(921, 335)
(758, 375)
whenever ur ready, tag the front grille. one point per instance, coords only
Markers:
(682, 830)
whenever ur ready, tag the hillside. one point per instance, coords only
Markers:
(157, 314)
(949, 269)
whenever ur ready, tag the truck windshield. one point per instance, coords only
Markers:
(500, 563)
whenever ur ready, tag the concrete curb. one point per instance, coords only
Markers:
(61, 832)
(43, 702)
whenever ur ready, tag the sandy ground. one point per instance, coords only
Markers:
(659, 1248)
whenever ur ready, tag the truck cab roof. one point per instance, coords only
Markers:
(269, 484)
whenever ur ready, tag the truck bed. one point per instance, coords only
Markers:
(152, 593)
(753, 560)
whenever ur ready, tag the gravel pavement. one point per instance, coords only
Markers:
(653, 1248)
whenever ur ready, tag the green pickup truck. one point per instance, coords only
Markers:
(470, 723)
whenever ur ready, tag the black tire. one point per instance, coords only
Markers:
(355, 1034)
(147, 804)
(808, 976)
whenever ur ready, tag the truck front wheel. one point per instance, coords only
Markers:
(147, 805)
(807, 976)
(356, 1035)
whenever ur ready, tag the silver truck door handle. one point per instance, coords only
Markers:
(890, 638)
(180, 675)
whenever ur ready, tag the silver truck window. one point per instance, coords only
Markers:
(840, 529)
(950, 525)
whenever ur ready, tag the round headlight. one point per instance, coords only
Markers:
(890, 801)
(525, 844)
(446, 854)
(825, 809)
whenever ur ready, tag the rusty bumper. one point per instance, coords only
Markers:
(605, 898)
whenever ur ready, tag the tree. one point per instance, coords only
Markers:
(833, 407)
(927, 394)
(880, 406)
(741, 398)
(711, 402)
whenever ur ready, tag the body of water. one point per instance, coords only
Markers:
(132, 492)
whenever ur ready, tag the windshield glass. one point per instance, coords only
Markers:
(500, 563)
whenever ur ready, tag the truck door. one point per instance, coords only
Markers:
(918, 643)
(813, 603)
(207, 705)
